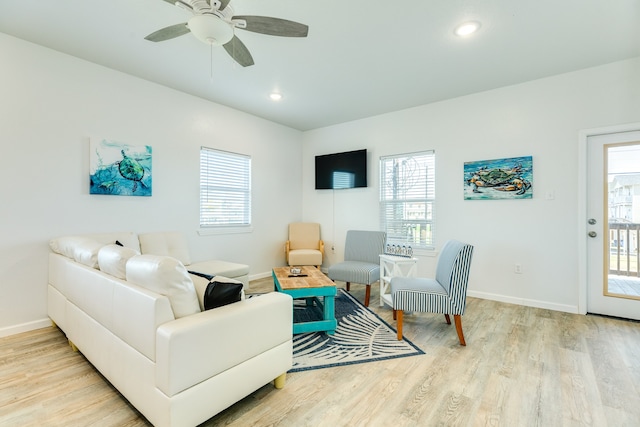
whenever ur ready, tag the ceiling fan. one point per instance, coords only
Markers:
(214, 23)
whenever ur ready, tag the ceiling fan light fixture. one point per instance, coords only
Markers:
(467, 28)
(210, 29)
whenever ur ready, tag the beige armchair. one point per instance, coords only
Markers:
(304, 246)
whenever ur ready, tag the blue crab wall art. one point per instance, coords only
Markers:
(509, 178)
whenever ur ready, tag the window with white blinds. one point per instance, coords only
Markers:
(407, 198)
(225, 188)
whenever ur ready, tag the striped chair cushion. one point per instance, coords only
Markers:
(418, 294)
(361, 257)
(446, 293)
(364, 246)
(355, 272)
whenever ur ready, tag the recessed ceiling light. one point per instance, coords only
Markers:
(467, 28)
(275, 96)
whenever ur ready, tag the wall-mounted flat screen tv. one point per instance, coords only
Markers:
(341, 170)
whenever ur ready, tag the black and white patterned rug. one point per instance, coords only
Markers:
(361, 336)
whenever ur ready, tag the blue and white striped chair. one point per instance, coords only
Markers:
(361, 264)
(446, 294)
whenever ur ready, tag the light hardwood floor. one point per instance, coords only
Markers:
(522, 366)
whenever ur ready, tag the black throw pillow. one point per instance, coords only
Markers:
(220, 293)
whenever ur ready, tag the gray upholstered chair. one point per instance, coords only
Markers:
(361, 264)
(446, 294)
(304, 246)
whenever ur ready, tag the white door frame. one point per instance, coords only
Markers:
(582, 203)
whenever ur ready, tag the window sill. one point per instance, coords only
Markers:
(425, 252)
(224, 230)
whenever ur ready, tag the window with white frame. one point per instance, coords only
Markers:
(407, 198)
(225, 188)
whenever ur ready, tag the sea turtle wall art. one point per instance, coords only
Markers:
(119, 169)
(510, 178)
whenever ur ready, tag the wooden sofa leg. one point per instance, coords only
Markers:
(458, 320)
(279, 382)
(348, 286)
(367, 296)
(73, 346)
(399, 314)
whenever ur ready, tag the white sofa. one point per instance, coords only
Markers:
(177, 365)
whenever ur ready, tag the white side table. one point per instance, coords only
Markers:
(394, 266)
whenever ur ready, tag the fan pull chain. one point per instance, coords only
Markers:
(211, 60)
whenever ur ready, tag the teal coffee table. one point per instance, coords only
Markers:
(316, 288)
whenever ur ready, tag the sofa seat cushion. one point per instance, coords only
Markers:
(220, 268)
(305, 257)
(166, 276)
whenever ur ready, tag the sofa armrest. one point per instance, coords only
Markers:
(192, 349)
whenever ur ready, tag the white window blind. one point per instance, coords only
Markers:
(225, 188)
(407, 198)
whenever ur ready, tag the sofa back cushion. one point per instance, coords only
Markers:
(173, 244)
(82, 249)
(125, 238)
(112, 259)
(166, 276)
(304, 235)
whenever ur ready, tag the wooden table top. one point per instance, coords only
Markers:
(314, 279)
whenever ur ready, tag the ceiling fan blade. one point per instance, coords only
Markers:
(180, 3)
(273, 26)
(169, 32)
(239, 52)
(223, 5)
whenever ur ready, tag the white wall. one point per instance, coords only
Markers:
(51, 104)
(540, 118)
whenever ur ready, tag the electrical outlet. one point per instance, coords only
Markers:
(518, 269)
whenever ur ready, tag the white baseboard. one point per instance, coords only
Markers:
(526, 302)
(489, 296)
(25, 327)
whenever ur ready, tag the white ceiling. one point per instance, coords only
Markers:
(361, 58)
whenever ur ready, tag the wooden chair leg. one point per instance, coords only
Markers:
(395, 314)
(399, 314)
(458, 320)
(447, 318)
(348, 286)
(367, 296)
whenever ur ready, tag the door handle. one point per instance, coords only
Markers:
(592, 234)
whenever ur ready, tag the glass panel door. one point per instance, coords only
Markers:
(623, 202)
(613, 215)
